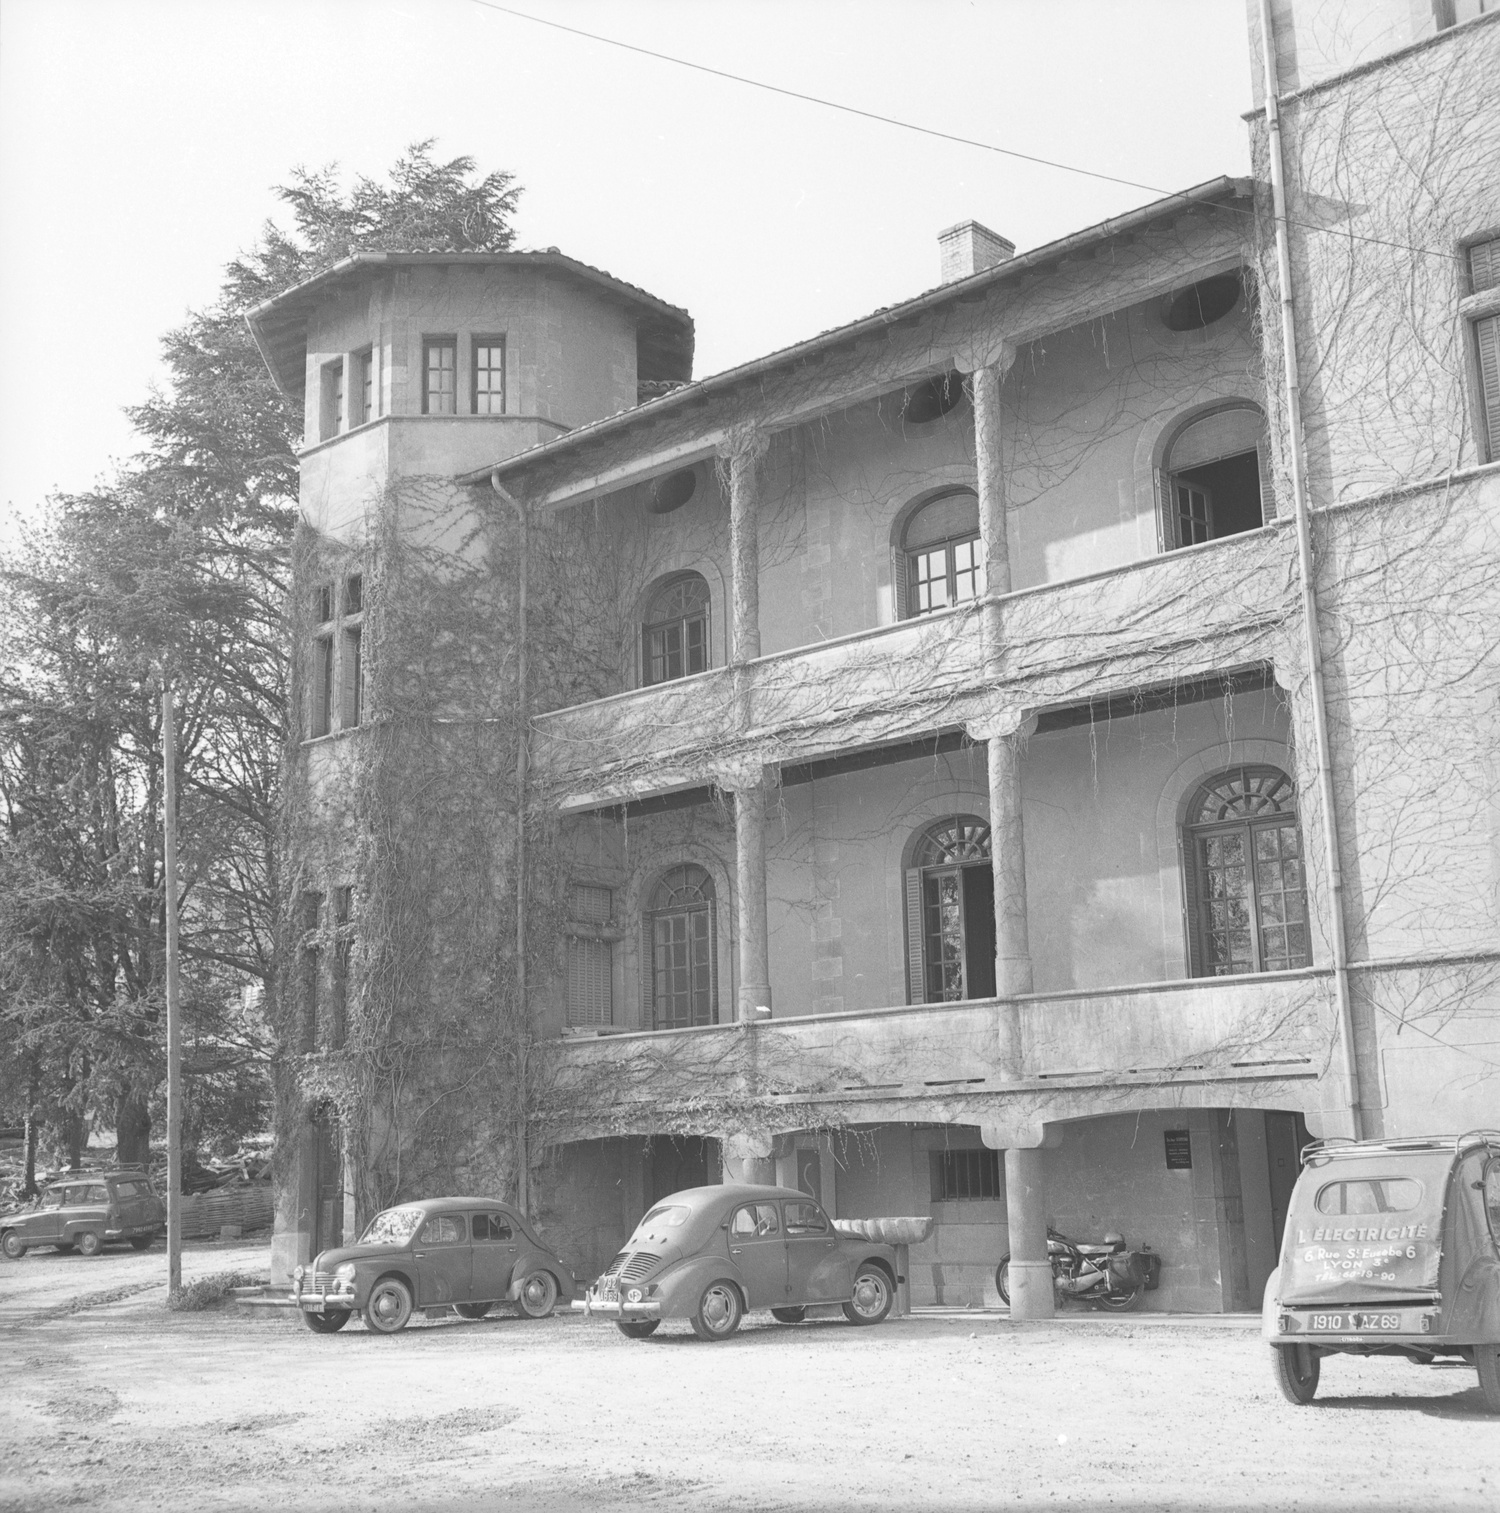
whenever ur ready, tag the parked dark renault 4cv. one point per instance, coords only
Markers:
(85, 1212)
(468, 1254)
(712, 1254)
(1392, 1247)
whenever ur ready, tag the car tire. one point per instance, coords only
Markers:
(13, 1245)
(1487, 1363)
(327, 1323)
(90, 1243)
(1297, 1370)
(637, 1329)
(472, 1310)
(388, 1308)
(873, 1296)
(537, 1295)
(789, 1315)
(719, 1311)
(1002, 1280)
(142, 1242)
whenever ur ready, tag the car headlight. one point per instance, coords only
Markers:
(634, 1294)
(299, 1272)
(345, 1273)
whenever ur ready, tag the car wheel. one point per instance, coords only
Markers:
(719, 1311)
(1122, 1302)
(327, 1323)
(472, 1310)
(538, 1294)
(1487, 1362)
(1002, 1280)
(1297, 1368)
(637, 1329)
(872, 1298)
(12, 1244)
(89, 1243)
(389, 1306)
(789, 1315)
(141, 1242)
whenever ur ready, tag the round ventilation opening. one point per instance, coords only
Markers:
(673, 491)
(1203, 303)
(928, 401)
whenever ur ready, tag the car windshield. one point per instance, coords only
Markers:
(393, 1227)
(668, 1216)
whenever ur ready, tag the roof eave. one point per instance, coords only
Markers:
(1223, 186)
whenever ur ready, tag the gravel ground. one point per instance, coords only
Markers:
(124, 1405)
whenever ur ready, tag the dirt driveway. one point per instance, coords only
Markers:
(123, 1405)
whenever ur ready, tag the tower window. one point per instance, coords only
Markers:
(439, 376)
(489, 375)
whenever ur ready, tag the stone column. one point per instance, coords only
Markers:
(742, 451)
(747, 1158)
(1026, 1214)
(994, 542)
(750, 899)
(1004, 736)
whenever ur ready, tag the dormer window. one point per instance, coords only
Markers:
(439, 376)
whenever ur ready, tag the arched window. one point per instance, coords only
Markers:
(950, 913)
(680, 951)
(940, 563)
(674, 638)
(1248, 885)
(1211, 477)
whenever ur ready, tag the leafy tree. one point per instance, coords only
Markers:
(181, 560)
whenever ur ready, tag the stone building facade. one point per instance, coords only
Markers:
(1027, 756)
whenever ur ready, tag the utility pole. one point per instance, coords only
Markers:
(174, 1026)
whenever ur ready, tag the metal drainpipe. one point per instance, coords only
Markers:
(1297, 457)
(523, 1195)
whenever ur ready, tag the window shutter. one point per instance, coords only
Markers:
(1187, 848)
(352, 675)
(916, 971)
(898, 584)
(1487, 333)
(713, 962)
(648, 973)
(1484, 265)
(322, 656)
(588, 981)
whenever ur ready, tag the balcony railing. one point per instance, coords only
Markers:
(1268, 1026)
(1176, 616)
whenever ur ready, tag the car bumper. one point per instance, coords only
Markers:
(610, 1309)
(324, 1302)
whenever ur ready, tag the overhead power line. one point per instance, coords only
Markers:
(931, 131)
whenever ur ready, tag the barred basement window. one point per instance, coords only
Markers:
(965, 1176)
(591, 956)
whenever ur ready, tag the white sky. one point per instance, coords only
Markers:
(139, 140)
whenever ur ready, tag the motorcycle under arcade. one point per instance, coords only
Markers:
(1106, 1275)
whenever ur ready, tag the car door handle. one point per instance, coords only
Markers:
(734, 1250)
(419, 1255)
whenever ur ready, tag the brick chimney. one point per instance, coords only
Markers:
(971, 248)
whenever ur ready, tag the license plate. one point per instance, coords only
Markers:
(1354, 1323)
(608, 1290)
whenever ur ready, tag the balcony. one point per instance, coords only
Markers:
(1097, 1051)
(1179, 615)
